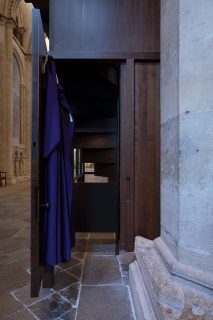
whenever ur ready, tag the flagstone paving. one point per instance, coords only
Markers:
(93, 286)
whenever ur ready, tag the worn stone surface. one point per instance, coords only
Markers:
(76, 271)
(23, 295)
(101, 247)
(104, 303)
(22, 315)
(186, 131)
(51, 307)
(102, 236)
(70, 315)
(8, 305)
(71, 294)
(62, 280)
(95, 271)
(61, 302)
(157, 294)
(13, 276)
(70, 264)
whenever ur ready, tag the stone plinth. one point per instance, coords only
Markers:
(160, 290)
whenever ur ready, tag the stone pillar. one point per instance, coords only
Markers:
(22, 112)
(9, 100)
(172, 277)
(2, 96)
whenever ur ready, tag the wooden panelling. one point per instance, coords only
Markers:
(127, 199)
(106, 170)
(99, 155)
(100, 125)
(95, 206)
(94, 140)
(104, 28)
(147, 146)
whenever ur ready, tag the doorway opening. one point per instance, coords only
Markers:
(92, 90)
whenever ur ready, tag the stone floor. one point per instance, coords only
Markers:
(94, 286)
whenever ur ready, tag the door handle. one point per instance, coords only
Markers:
(45, 205)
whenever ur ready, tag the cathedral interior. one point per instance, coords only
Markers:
(149, 147)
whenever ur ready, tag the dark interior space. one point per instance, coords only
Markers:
(92, 90)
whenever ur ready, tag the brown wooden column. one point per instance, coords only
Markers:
(147, 149)
(127, 154)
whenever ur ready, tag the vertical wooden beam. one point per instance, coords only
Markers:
(147, 146)
(127, 171)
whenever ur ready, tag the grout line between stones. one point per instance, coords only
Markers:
(35, 316)
(131, 303)
(80, 280)
(120, 270)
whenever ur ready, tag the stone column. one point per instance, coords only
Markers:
(172, 277)
(22, 112)
(2, 96)
(9, 100)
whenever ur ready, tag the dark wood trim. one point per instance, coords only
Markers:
(130, 177)
(147, 150)
(127, 171)
(121, 56)
(38, 46)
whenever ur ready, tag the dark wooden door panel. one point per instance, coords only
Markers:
(95, 207)
(39, 51)
(99, 155)
(127, 170)
(147, 150)
(104, 28)
(94, 140)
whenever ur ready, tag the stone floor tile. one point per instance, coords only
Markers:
(25, 263)
(22, 234)
(22, 315)
(13, 276)
(51, 308)
(105, 303)
(79, 255)
(76, 271)
(102, 235)
(101, 247)
(82, 235)
(63, 280)
(82, 242)
(8, 304)
(10, 245)
(71, 294)
(101, 270)
(69, 315)
(14, 256)
(7, 232)
(23, 295)
(70, 264)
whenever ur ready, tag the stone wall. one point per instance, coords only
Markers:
(15, 89)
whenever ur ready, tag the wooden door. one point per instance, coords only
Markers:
(38, 53)
(139, 151)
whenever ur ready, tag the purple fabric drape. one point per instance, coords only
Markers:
(58, 232)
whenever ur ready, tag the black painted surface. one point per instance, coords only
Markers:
(95, 206)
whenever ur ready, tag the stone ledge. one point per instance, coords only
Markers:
(177, 269)
(142, 304)
(156, 293)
